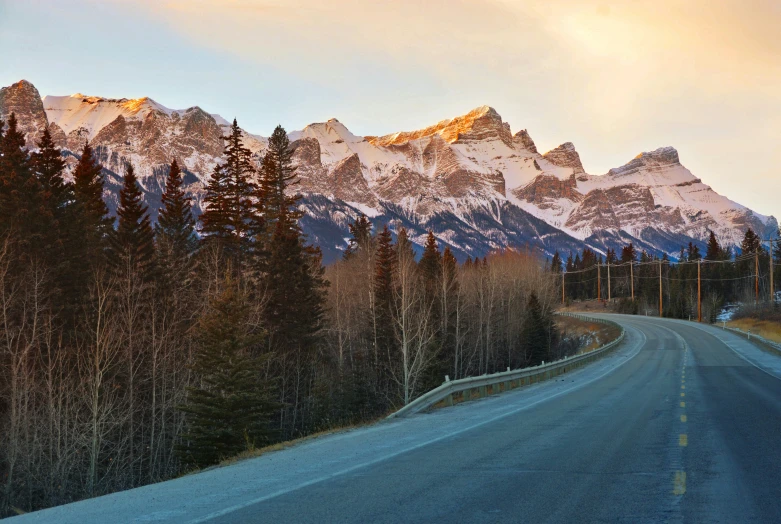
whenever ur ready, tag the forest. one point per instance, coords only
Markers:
(133, 352)
(695, 286)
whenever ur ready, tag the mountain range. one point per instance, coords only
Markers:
(469, 179)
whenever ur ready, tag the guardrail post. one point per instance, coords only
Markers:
(482, 391)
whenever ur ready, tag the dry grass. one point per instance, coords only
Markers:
(768, 329)
(600, 334)
(279, 446)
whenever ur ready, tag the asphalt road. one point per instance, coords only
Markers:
(681, 424)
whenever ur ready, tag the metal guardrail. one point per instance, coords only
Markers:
(477, 387)
(753, 336)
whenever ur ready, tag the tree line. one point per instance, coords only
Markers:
(726, 276)
(131, 352)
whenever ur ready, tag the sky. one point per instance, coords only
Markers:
(615, 78)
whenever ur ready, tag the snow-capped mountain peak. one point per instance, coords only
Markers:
(467, 178)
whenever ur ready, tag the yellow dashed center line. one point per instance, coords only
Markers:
(683, 404)
(683, 394)
(679, 483)
(683, 418)
(683, 387)
(683, 440)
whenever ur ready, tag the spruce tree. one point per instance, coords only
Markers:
(273, 199)
(751, 242)
(228, 214)
(132, 243)
(360, 236)
(693, 253)
(175, 228)
(276, 176)
(431, 262)
(92, 223)
(777, 248)
(291, 270)
(48, 166)
(230, 409)
(295, 291)
(713, 251)
(555, 263)
(536, 332)
(22, 206)
(384, 300)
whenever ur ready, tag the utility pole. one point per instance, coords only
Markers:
(772, 287)
(632, 278)
(599, 282)
(699, 293)
(608, 282)
(660, 289)
(756, 276)
(562, 287)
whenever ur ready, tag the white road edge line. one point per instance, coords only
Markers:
(254, 501)
(738, 353)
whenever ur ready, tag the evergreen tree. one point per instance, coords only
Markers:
(555, 263)
(628, 254)
(536, 332)
(430, 262)
(751, 242)
(360, 235)
(713, 251)
(175, 228)
(384, 293)
(693, 253)
(229, 209)
(777, 249)
(274, 202)
(48, 166)
(404, 245)
(132, 243)
(22, 206)
(230, 410)
(295, 288)
(92, 223)
(277, 175)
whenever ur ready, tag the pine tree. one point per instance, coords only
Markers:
(92, 223)
(751, 243)
(175, 228)
(430, 262)
(230, 410)
(295, 289)
(277, 175)
(628, 254)
(360, 236)
(22, 206)
(535, 332)
(384, 293)
(777, 244)
(132, 243)
(713, 251)
(693, 252)
(291, 270)
(229, 209)
(404, 245)
(555, 263)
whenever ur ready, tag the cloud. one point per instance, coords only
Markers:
(614, 77)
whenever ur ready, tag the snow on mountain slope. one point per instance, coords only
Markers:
(465, 176)
(93, 113)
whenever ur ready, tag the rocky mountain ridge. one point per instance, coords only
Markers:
(469, 179)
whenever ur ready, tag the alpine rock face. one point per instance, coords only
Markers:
(471, 181)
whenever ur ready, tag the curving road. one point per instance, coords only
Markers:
(681, 424)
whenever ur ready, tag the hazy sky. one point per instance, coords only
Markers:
(614, 78)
